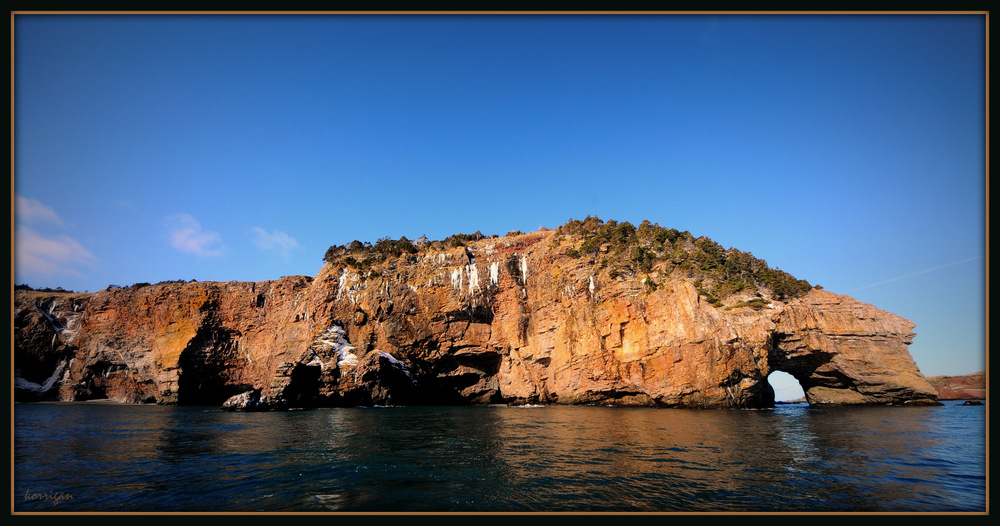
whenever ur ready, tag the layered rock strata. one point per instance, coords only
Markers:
(965, 387)
(502, 320)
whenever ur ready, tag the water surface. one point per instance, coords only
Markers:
(105, 457)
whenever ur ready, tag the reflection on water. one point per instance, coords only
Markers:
(793, 458)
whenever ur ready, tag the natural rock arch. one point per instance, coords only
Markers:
(844, 352)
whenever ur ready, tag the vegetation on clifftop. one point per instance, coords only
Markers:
(621, 249)
(44, 289)
(362, 255)
(720, 272)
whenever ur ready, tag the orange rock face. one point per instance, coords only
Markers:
(502, 320)
(966, 387)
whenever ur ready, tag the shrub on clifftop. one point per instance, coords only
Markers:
(623, 250)
(651, 246)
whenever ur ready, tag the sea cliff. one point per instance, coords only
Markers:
(579, 315)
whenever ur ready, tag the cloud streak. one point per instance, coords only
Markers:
(188, 236)
(274, 241)
(30, 210)
(917, 273)
(39, 256)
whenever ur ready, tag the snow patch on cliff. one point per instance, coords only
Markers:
(50, 315)
(336, 339)
(396, 363)
(441, 257)
(48, 384)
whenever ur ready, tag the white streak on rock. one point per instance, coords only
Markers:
(495, 273)
(341, 283)
(473, 277)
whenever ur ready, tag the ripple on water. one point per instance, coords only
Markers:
(136, 458)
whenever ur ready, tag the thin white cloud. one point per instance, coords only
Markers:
(917, 273)
(187, 235)
(31, 210)
(274, 241)
(40, 256)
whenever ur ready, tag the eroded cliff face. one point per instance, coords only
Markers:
(167, 343)
(502, 320)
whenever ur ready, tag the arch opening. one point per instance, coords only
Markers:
(786, 387)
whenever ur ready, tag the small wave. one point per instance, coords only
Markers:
(330, 502)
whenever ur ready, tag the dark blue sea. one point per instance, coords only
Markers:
(101, 457)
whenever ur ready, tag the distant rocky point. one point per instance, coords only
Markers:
(593, 312)
(967, 387)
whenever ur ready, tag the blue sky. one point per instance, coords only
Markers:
(848, 150)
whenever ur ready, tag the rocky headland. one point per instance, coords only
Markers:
(593, 312)
(965, 387)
